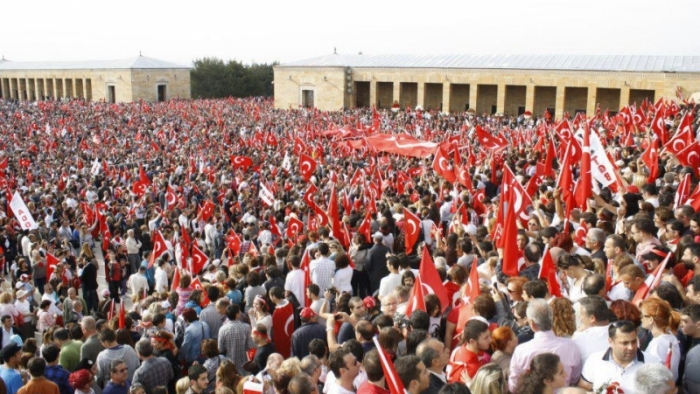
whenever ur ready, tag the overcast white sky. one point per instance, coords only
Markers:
(265, 31)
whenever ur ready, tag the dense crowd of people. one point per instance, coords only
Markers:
(251, 249)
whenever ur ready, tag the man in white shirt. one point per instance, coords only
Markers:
(295, 282)
(391, 281)
(592, 337)
(161, 277)
(619, 363)
(133, 246)
(138, 282)
(345, 367)
(322, 269)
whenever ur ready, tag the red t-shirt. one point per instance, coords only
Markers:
(464, 358)
(369, 388)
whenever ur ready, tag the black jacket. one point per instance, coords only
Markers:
(375, 265)
(304, 335)
(89, 277)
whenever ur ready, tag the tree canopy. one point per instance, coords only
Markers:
(214, 78)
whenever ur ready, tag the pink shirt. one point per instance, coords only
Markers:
(545, 342)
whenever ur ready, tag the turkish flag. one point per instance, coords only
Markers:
(170, 198)
(580, 234)
(199, 259)
(282, 329)
(197, 285)
(271, 140)
(431, 279)
(411, 228)
(521, 199)
(650, 157)
(548, 272)
(241, 161)
(307, 166)
(309, 196)
(159, 245)
(274, 228)
(464, 178)
(294, 227)
(441, 165)
(299, 145)
(143, 177)
(3, 163)
(566, 177)
(690, 156)
(651, 282)
(233, 242)
(122, 315)
(207, 210)
(682, 192)
(489, 142)
(683, 138)
(585, 189)
(391, 377)
(658, 125)
(471, 290)
(323, 219)
(51, 262)
(139, 187)
(306, 267)
(364, 228)
(176, 280)
(510, 235)
(639, 118)
(416, 300)
(333, 211)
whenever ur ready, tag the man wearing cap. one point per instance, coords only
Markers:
(9, 373)
(310, 329)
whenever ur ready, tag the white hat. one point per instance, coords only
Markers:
(19, 285)
(22, 293)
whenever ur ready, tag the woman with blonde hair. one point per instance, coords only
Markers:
(489, 379)
(662, 322)
(564, 318)
(182, 385)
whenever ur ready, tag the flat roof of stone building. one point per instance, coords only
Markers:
(634, 63)
(139, 62)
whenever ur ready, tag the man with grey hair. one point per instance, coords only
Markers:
(654, 379)
(592, 334)
(539, 315)
(311, 366)
(91, 347)
(154, 371)
(595, 241)
(302, 383)
(435, 355)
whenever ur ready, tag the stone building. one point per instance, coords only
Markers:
(509, 84)
(112, 80)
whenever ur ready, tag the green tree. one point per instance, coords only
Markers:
(212, 78)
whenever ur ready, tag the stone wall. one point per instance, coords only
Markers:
(457, 84)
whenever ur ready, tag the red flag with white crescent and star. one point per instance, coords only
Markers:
(282, 329)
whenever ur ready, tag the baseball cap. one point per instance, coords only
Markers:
(307, 313)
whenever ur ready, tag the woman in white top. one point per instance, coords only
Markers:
(572, 266)
(343, 273)
(260, 313)
(662, 321)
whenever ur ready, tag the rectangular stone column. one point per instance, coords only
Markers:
(446, 97)
(591, 101)
(397, 93)
(625, 96)
(420, 100)
(530, 98)
(5, 88)
(559, 103)
(372, 92)
(501, 98)
(473, 89)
